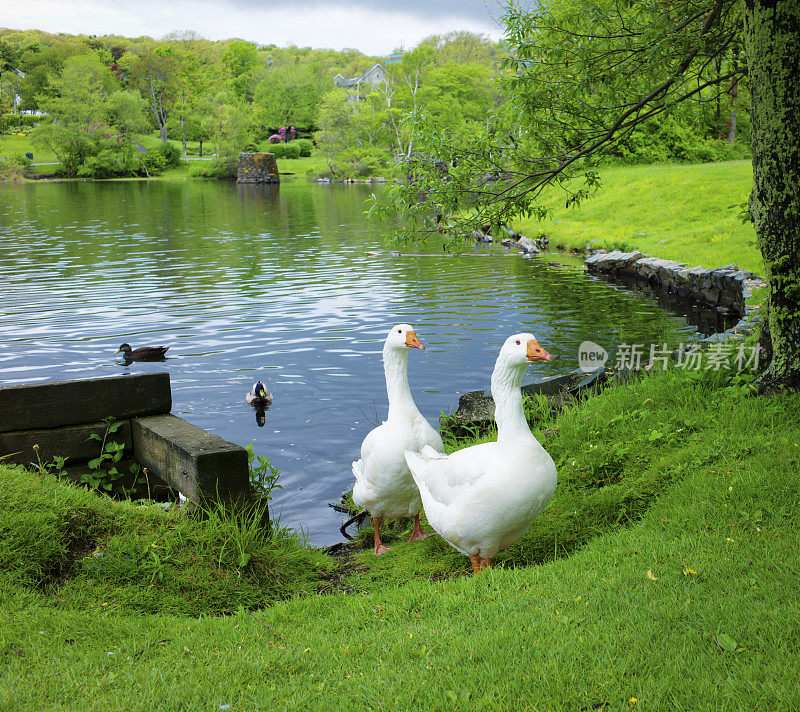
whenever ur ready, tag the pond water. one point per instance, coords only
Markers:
(276, 283)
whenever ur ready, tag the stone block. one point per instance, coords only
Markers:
(257, 168)
(199, 464)
(528, 245)
(478, 406)
(71, 441)
(51, 405)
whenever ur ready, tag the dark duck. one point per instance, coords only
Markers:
(144, 353)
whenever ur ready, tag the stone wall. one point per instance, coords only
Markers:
(41, 420)
(725, 288)
(257, 168)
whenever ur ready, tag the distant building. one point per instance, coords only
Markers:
(393, 58)
(374, 75)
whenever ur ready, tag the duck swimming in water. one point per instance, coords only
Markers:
(143, 353)
(259, 396)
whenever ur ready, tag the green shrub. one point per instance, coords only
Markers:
(305, 147)
(668, 139)
(153, 162)
(109, 163)
(285, 150)
(20, 159)
(30, 120)
(359, 162)
(8, 121)
(171, 154)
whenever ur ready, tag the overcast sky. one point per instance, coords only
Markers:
(375, 27)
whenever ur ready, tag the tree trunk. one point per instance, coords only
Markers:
(163, 130)
(772, 28)
(201, 149)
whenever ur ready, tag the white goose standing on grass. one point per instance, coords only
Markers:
(483, 498)
(384, 486)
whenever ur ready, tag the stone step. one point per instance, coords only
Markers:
(71, 441)
(199, 464)
(52, 405)
(478, 406)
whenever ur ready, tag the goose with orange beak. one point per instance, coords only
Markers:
(484, 498)
(384, 486)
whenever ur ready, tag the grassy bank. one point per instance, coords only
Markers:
(679, 212)
(14, 143)
(667, 581)
(82, 551)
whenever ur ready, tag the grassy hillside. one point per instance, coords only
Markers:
(686, 600)
(679, 212)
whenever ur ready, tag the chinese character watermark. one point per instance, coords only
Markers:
(718, 356)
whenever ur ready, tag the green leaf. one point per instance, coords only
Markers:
(94, 436)
(94, 464)
(726, 642)
(244, 559)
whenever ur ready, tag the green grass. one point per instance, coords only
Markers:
(82, 551)
(678, 212)
(11, 143)
(673, 583)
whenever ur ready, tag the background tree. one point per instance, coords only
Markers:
(582, 77)
(154, 72)
(125, 111)
(79, 125)
(241, 59)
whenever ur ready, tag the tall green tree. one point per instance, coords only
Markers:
(154, 72)
(581, 77)
(79, 112)
(772, 36)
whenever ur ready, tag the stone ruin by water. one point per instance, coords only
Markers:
(257, 168)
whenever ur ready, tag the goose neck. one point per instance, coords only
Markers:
(395, 368)
(507, 395)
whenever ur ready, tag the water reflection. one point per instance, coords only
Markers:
(273, 283)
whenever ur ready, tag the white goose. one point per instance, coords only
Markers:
(483, 498)
(384, 486)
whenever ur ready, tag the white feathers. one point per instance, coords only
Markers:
(384, 485)
(483, 498)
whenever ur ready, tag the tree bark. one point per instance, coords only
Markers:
(772, 29)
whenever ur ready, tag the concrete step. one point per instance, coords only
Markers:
(197, 463)
(51, 405)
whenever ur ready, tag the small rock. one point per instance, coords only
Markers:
(528, 245)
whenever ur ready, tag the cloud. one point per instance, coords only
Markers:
(375, 27)
(421, 9)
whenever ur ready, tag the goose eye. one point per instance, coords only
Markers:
(517, 342)
(399, 331)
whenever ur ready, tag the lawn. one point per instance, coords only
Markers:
(680, 212)
(12, 143)
(674, 587)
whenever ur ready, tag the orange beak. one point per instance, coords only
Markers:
(413, 342)
(536, 352)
